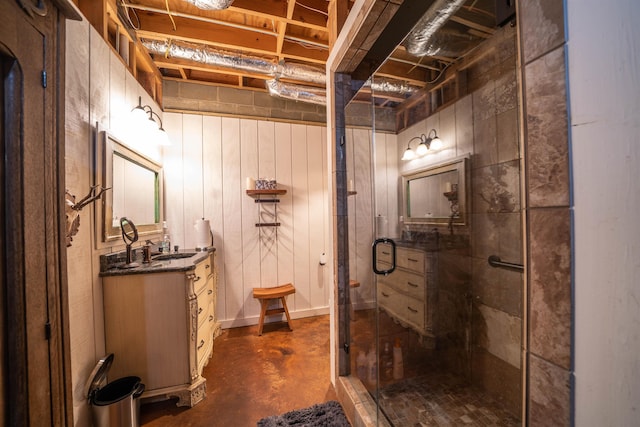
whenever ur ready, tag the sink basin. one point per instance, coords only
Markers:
(164, 257)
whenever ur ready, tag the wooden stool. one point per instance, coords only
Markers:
(352, 284)
(267, 294)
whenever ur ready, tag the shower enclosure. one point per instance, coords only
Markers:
(435, 247)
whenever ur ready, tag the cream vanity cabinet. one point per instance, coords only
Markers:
(408, 293)
(160, 326)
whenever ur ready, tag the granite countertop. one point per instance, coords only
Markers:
(435, 243)
(157, 264)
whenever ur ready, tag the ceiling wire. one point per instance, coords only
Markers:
(127, 9)
(313, 9)
(170, 16)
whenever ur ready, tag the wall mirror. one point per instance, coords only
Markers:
(136, 189)
(436, 195)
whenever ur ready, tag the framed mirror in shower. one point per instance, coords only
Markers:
(136, 189)
(437, 194)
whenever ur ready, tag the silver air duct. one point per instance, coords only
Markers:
(318, 96)
(206, 55)
(210, 4)
(382, 85)
(314, 95)
(420, 41)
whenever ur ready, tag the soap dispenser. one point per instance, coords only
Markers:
(166, 240)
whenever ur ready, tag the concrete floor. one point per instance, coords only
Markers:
(251, 377)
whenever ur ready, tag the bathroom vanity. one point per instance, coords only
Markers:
(408, 294)
(160, 323)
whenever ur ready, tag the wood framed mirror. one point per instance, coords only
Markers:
(437, 194)
(136, 189)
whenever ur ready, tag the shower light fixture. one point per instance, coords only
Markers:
(144, 115)
(426, 143)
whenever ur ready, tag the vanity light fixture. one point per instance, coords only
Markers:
(145, 114)
(430, 142)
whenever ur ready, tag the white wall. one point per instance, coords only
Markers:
(98, 89)
(604, 81)
(205, 175)
(363, 149)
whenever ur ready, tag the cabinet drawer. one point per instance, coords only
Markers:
(384, 253)
(390, 299)
(204, 346)
(201, 274)
(410, 259)
(413, 284)
(415, 312)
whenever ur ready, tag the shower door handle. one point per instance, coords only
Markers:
(375, 256)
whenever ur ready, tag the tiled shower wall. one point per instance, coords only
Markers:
(542, 47)
(479, 307)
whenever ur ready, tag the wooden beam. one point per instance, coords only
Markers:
(338, 12)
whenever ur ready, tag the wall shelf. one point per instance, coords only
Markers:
(266, 192)
(274, 214)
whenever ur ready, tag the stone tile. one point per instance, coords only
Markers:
(547, 129)
(484, 102)
(464, 125)
(541, 25)
(502, 380)
(447, 129)
(484, 235)
(549, 394)
(485, 148)
(496, 188)
(506, 91)
(550, 285)
(508, 135)
(498, 288)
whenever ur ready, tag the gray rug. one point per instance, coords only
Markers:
(320, 415)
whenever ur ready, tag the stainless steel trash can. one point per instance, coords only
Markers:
(117, 403)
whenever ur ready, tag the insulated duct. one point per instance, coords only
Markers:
(206, 55)
(210, 4)
(423, 40)
(314, 95)
(318, 95)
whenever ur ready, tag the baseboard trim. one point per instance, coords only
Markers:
(253, 320)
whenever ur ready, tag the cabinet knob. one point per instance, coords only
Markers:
(384, 295)
(196, 279)
(413, 285)
(413, 310)
(200, 310)
(211, 318)
(210, 291)
(201, 344)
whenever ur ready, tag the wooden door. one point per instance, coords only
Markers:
(31, 175)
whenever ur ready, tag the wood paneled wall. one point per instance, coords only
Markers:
(205, 177)
(364, 151)
(99, 89)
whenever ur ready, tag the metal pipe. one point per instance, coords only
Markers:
(495, 261)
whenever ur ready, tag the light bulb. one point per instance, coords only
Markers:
(422, 149)
(408, 154)
(436, 143)
(162, 138)
(138, 114)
